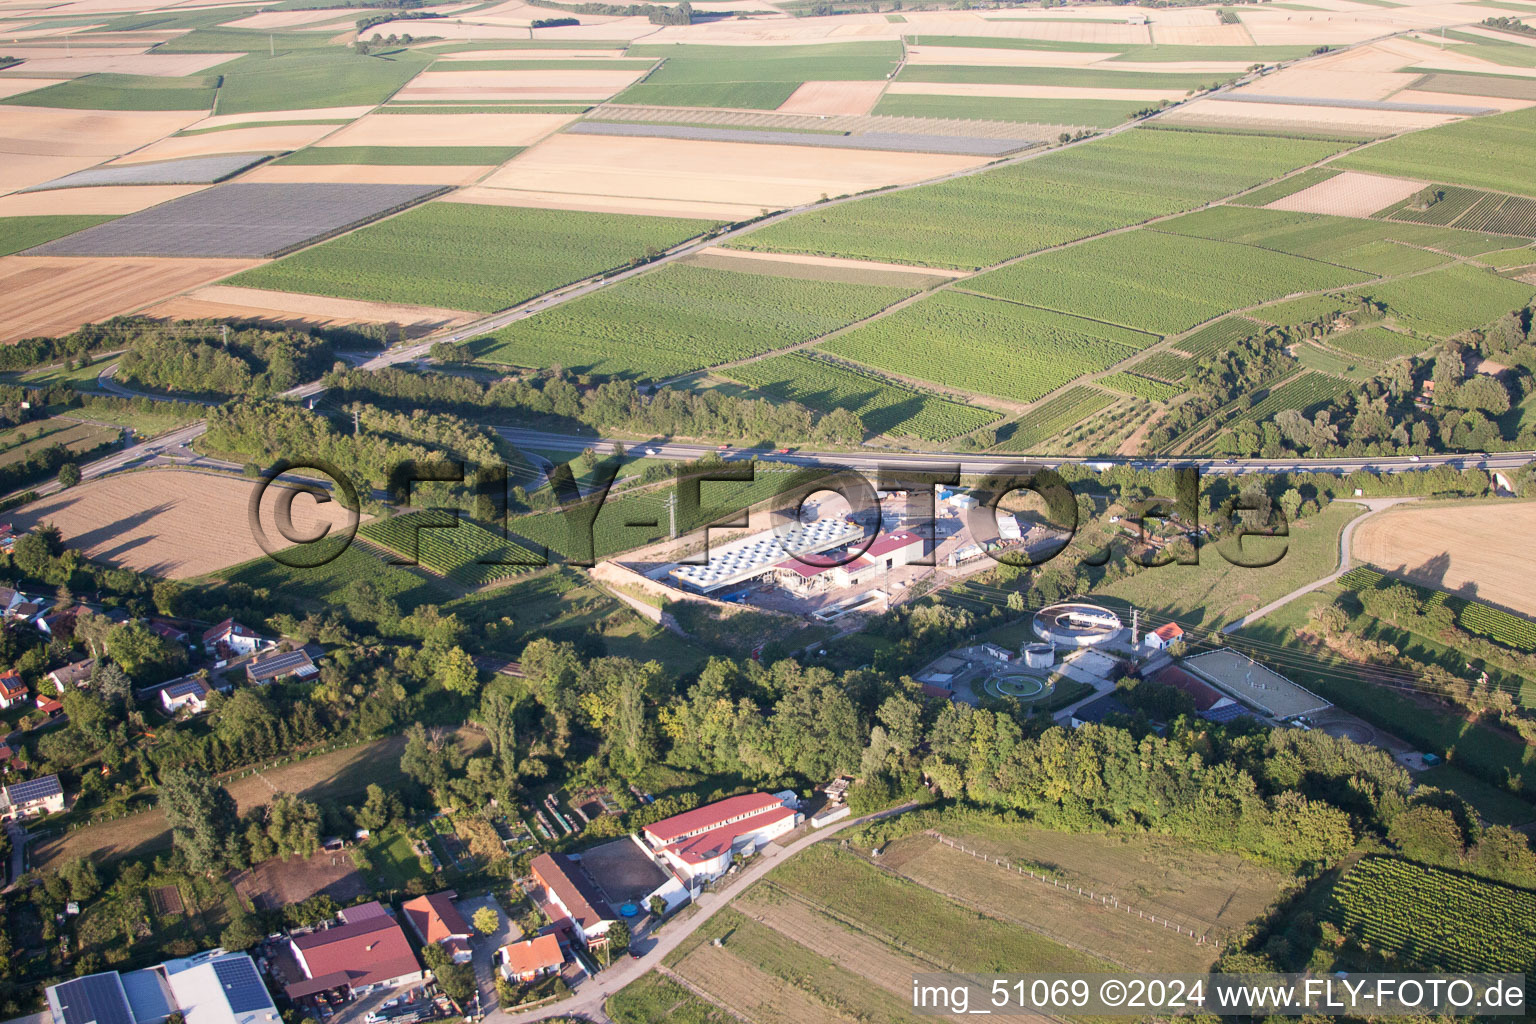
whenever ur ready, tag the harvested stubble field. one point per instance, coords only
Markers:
(1349, 194)
(883, 406)
(250, 141)
(1163, 283)
(683, 318)
(228, 302)
(433, 129)
(516, 85)
(739, 173)
(47, 295)
(173, 523)
(466, 256)
(987, 346)
(833, 98)
(1476, 551)
(982, 219)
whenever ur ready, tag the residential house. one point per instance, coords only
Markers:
(1095, 711)
(10, 597)
(700, 845)
(230, 639)
(572, 901)
(12, 690)
(367, 951)
(435, 919)
(59, 623)
(74, 674)
(171, 634)
(532, 959)
(48, 705)
(10, 760)
(29, 799)
(275, 665)
(185, 693)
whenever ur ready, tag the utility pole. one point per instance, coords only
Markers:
(355, 428)
(271, 45)
(672, 515)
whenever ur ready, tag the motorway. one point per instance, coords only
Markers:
(974, 463)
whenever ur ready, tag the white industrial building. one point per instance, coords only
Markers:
(214, 987)
(740, 561)
(700, 845)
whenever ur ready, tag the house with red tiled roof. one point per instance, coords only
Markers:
(12, 690)
(366, 952)
(531, 959)
(434, 918)
(572, 901)
(231, 638)
(1164, 637)
(699, 845)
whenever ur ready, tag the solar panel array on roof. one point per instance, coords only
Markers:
(34, 789)
(276, 664)
(94, 998)
(1226, 713)
(746, 558)
(242, 985)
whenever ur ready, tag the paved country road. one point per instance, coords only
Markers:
(588, 999)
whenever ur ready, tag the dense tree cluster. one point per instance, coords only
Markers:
(202, 359)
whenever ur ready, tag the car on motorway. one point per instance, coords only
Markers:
(722, 448)
(782, 451)
(1413, 458)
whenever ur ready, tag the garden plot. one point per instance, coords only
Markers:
(45, 296)
(516, 85)
(230, 302)
(242, 141)
(91, 201)
(1350, 194)
(431, 129)
(243, 219)
(833, 98)
(726, 172)
(197, 170)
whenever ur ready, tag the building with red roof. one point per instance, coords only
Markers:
(572, 900)
(366, 952)
(699, 845)
(435, 919)
(531, 959)
(1164, 636)
(12, 690)
(1204, 695)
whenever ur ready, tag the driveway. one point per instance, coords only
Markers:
(485, 946)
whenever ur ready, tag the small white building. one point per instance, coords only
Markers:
(186, 693)
(1163, 637)
(234, 638)
(13, 690)
(28, 799)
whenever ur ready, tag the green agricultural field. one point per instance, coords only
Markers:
(1326, 360)
(920, 920)
(327, 586)
(18, 233)
(1304, 393)
(1169, 367)
(543, 65)
(464, 552)
(217, 39)
(884, 406)
(124, 92)
(1376, 343)
(1289, 187)
(1510, 258)
(1484, 620)
(986, 346)
(1474, 210)
(1032, 431)
(1499, 806)
(478, 258)
(759, 77)
(653, 999)
(1138, 52)
(1141, 387)
(305, 80)
(1153, 281)
(1084, 78)
(77, 437)
(1375, 246)
(684, 318)
(1218, 336)
(241, 125)
(463, 156)
(1440, 154)
(1446, 302)
(1092, 113)
(1426, 918)
(981, 219)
